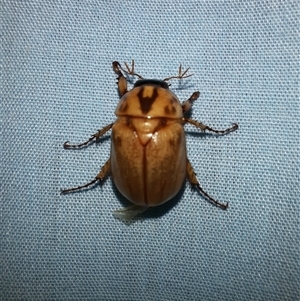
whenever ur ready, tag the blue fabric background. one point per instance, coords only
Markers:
(57, 84)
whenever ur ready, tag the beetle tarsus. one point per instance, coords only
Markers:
(222, 206)
(222, 132)
(204, 127)
(66, 145)
(64, 191)
(234, 127)
(100, 177)
(191, 176)
(96, 136)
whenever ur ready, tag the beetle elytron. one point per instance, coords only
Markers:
(148, 161)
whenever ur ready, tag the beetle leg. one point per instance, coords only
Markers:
(128, 213)
(180, 74)
(204, 127)
(96, 136)
(122, 81)
(187, 104)
(100, 177)
(191, 176)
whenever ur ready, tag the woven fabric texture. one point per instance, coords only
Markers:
(57, 84)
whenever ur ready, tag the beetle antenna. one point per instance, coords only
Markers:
(130, 70)
(180, 75)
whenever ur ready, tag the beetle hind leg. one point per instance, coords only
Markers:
(100, 177)
(194, 182)
(128, 213)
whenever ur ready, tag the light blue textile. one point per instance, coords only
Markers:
(57, 84)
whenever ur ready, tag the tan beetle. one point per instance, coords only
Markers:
(148, 161)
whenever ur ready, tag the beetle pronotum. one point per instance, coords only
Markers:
(148, 161)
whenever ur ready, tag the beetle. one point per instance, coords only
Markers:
(148, 159)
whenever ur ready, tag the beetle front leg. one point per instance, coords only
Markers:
(191, 176)
(122, 81)
(187, 104)
(100, 177)
(204, 127)
(96, 136)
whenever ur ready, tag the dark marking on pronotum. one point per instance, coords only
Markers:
(168, 111)
(146, 102)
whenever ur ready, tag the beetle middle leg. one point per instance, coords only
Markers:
(204, 127)
(191, 176)
(100, 177)
(96, 136)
